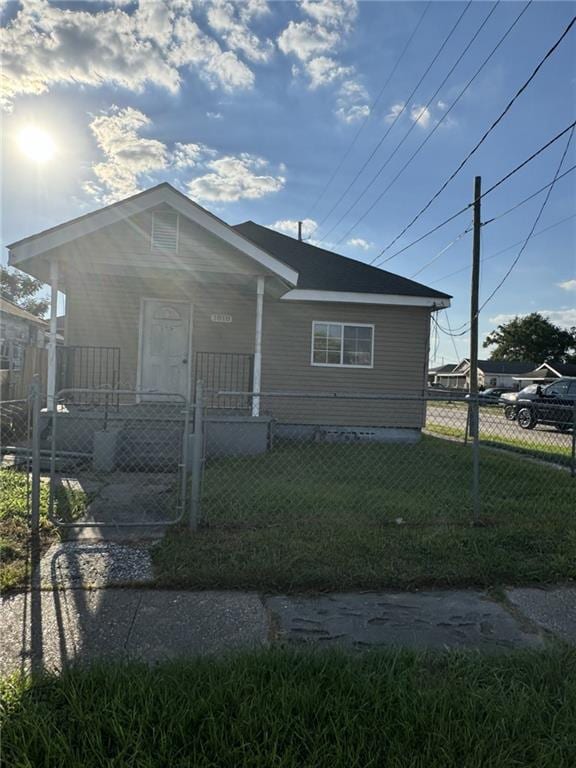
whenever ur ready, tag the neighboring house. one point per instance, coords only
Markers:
(491, 373)
(179, 295)
(434, 374)
(546, 373)
(19, 330)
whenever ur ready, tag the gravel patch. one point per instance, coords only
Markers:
(80, 564)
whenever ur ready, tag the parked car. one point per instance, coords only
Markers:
(553, 405)
(490, 396)
(508, 400)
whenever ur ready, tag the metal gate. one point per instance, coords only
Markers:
(118, 458)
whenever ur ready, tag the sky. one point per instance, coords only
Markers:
(312, 111)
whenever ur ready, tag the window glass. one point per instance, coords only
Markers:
(342, 344)
(558, 388)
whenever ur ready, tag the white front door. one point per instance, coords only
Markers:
(165, 346)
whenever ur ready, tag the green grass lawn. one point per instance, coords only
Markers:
(15, 540)
(284, 709)
(337, 517)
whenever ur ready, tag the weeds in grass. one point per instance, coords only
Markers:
(15, 522)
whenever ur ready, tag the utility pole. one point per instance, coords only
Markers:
(474, 412)
(475, 289)
(300, 230)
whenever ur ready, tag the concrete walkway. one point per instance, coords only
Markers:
(50, 629)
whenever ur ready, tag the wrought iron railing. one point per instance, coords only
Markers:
(232, 371)
(91, 368)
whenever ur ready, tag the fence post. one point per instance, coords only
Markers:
(35, 396)
(475, 434)
(573, 458)
(197, 458)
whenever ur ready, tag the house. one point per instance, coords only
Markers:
(161, 293)
(491, 373)
(546, 373)
(440, 370)
(19, 329)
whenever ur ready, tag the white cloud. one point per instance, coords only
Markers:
(310, 41)
(214, 115)
(44, 46)
(568, 285)
(565, 318)
(324, 70)
(234, 177)
(231, 20)
(128, 155)
(306, 40)
(130, 158)
(290, 227)
(421, 115)
(359, 242)
(350, 103)
(189, 155)
(394, 113)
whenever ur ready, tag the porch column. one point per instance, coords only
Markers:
(51, 383)
(256, 384)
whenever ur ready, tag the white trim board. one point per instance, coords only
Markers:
(36, 245)
(349, 297)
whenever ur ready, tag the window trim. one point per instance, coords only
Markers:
(342, 326)
(156, 248)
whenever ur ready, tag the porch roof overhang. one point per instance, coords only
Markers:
(29, 253)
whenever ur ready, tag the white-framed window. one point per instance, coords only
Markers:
(347, 345)
(165, 225)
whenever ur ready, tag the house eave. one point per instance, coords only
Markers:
(351, 297)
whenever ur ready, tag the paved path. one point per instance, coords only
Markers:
(50, 629)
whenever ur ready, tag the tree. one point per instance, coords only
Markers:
(532, 337)
(22, 290)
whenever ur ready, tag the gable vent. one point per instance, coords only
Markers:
(165, 231)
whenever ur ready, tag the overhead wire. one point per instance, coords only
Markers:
(524, 244)
(485, 135)
(371, 112)
(465, 208)
(415, 122)
(398, 115)
(436, 127)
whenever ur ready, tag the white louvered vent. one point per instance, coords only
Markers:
(164, 231)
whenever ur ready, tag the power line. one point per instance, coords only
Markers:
(534, 225)
(525, 242)
(372, 107)
(503, 250)
(398, 115)
(507, 176)
(415, 122)
(442, 252)
(478, 144)
(438, 124)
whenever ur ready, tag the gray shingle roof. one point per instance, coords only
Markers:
(324, 270)
(505, 366)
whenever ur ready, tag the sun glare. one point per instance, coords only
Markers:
(36, 144)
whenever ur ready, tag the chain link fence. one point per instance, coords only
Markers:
(397, 459)
(127, 458)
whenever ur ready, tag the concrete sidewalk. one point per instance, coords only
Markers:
(50, 629)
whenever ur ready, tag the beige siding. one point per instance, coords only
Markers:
(400, 364)
(121, 247)
(105, 311)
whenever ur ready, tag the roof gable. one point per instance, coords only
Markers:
(37, 244)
